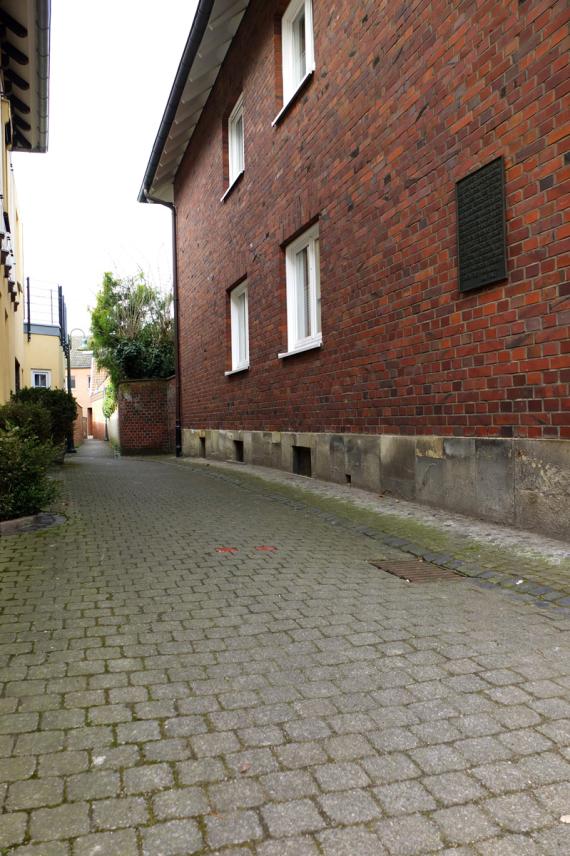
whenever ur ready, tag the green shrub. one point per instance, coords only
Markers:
(60, 404)
(34, 420)
(25, 487)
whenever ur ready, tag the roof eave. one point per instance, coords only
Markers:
(189, 54)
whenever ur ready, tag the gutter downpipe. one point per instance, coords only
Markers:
(178, 417)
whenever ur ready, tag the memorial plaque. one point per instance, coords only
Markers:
(481, 237)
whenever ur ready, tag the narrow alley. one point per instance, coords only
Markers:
(190, 665)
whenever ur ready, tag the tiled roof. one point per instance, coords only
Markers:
(80, 356)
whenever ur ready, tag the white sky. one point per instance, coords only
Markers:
(112, 66)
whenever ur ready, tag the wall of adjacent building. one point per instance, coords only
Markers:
(406, 100)
(11, 300)
(44, 353)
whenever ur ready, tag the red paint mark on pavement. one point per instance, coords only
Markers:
(266, 548)
(226, 549)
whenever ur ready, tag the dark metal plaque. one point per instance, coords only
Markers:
(481, 237)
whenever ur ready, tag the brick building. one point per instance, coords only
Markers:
(372, 245)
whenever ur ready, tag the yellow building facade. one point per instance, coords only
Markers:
(24, 75)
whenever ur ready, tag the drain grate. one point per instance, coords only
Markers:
(414, 571)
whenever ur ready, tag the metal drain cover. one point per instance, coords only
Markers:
(414, 571)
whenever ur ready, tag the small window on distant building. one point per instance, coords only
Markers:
(297, 46)
(302, 266)
(17, 375)
(239, 327)
(41, 378)
(236, 142)
(72, 381)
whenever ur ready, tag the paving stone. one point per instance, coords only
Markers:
(122, 843)
(408, 836)
(40, 743)
(245, 793)
(202, 771)
(349, 842)
(90, 737)
(525, 742)
(119, 813)
(464, 824)
(288, 847)
(148, 778)
(214, 744)
(292, 818)
(34, 793)
(390, 768)
(554, 841)
(517, 812)
(554, 798)
(483, 750)
(115, 758)
(289, 785)
(405, 797)
(95, 785)
(508, 845)
(439, 759)
(348, 747)
(14, 769)
(12, 828)
(53, 848)
(233, 828)
(501, 777)
(454, 788)
(167, 750)
(297, 755)
(174, 838)
(340, 776)
(66, 821)
(349, 807)
(185, 726)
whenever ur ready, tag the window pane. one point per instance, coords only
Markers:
(317, 261)
(241, 329)
(239, 144)
(299, 47)
(303, 294)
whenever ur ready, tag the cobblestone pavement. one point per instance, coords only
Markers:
(512, 558)
(161, 697)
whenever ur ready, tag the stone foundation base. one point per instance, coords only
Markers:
(523, 483)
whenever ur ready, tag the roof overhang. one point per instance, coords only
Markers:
(214, 27)
(24, 51)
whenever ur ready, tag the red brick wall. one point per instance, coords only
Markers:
(407, 98)
(146, 416)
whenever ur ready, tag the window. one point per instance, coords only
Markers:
(302, 270)
(41, 378)
(72, 381)
(240, 328)
(297, 46)
(236, 142)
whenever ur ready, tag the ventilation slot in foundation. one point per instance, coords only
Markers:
(238, 451)
(202, 447)
(302, 461)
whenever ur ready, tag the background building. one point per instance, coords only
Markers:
(372, 246)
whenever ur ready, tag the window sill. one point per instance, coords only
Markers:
(293, 98)
(317, 342)
(237, 371)
(236, 180)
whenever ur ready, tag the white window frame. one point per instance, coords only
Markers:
(45, 372)
(236, 145)
(292, 81)
(295, 342)
(239, 365)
